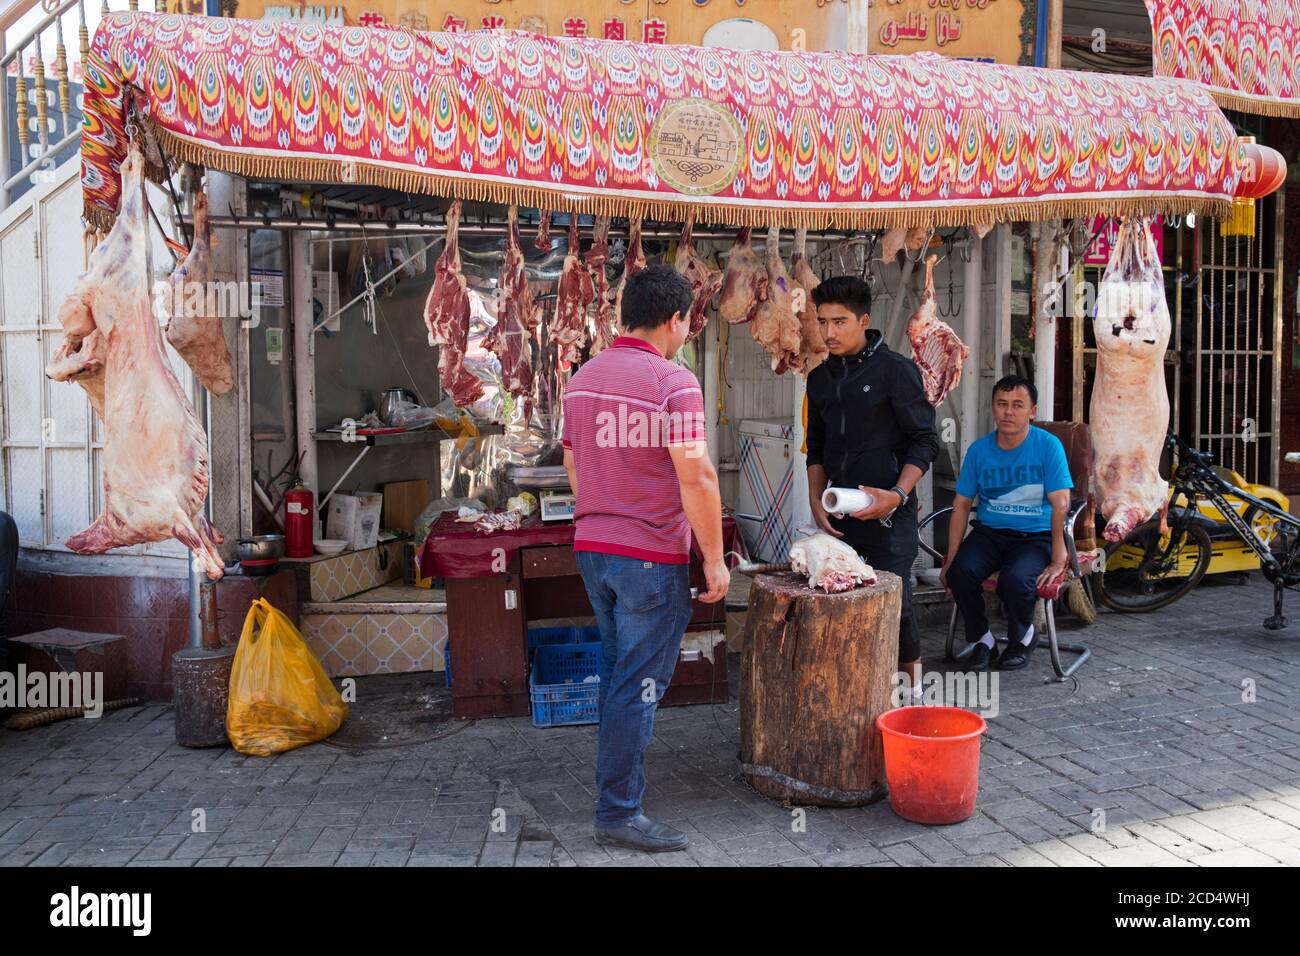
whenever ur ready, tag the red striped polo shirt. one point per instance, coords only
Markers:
(622, 410)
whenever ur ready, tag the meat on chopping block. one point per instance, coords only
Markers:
(633, 262)
(705, 280)
(517, 318)
(447, 313)
(776, 326)
(192, 329)
(744, 283)
(602, 315)
(1129, 417)
(830, 564)
(812, 347)
(936, 349)
(568, 326)
(155, 451)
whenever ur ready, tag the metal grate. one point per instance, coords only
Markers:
(1237, 392)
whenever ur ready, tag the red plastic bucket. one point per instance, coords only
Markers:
(932, 762)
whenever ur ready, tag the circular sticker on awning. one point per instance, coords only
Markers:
(695, 146)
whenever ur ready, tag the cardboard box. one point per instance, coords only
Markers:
(403, 502)
(355, 518)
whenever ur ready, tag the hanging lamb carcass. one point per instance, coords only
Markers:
(1129, 417)
(155, 451)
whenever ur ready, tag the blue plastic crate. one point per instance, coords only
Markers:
(446, 660)
(560, 693)
(539, 636)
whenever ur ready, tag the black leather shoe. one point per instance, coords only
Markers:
(641, 833)
(1015, 656)
(980, 658)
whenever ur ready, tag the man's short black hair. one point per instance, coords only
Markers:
(653, 295)
(848, 291)
(1009, 383)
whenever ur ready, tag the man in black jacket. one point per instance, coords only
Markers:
(870, 426)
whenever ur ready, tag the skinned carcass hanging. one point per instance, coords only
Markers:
(447, 313)
(575, 290)
(155, 451)
(705, 280)
(812, 346)
(193, 316)
(1129, 416)
(517, 318)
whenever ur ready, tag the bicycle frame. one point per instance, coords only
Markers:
(1193, 478)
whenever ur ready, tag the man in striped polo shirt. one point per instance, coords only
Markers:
(638, 460)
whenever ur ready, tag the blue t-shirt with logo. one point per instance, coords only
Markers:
(1012, 486)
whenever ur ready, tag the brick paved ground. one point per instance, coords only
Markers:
(1156, 734)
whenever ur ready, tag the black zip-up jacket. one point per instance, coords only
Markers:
(868, 416)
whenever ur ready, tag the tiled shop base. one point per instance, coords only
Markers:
(354, 645)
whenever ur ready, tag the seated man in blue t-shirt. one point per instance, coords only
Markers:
(1022, 481)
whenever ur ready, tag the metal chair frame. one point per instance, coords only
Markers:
(1055, 646)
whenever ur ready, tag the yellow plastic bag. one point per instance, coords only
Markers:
(280, 696)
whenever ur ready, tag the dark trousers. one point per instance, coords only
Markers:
(1018, 559)
(890, 549)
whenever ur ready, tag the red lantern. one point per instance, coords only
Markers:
(1263, 170)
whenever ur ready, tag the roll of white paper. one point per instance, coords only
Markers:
(843, 501)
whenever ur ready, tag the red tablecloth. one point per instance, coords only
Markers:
(455, 550)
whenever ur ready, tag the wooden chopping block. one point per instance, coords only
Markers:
(816, 671)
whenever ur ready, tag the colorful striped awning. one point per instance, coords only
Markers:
(819, 140)
(1245, 52)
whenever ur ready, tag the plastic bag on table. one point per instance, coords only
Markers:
(439, 506)
(280, 696)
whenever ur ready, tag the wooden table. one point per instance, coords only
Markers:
(487, 624)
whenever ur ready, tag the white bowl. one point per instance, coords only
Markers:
(330, 546)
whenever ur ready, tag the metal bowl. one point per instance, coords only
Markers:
(261, 547)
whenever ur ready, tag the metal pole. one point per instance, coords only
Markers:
(972, 388)
(304, 360)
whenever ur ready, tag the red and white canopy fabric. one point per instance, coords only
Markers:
(1246, 52)
(818, 140)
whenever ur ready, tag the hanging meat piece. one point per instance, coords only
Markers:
(542, 241)
(633, 262)
(936, 350)
(447, 316)
(705, 280)
(192, 329)
(1129, 416)
(155, 452)
(568, 327)
(812, 347)
(517, 318)
(743, 284)
(829, 563)
(891, 244)
(603, 313)
(776, 326)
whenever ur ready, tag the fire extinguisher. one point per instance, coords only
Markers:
(299, 521)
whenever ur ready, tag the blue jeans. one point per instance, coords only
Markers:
(1019, 560)
(642, 608)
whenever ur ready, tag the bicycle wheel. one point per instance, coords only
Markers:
(1148, 570)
